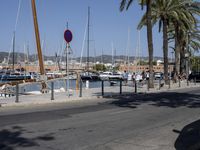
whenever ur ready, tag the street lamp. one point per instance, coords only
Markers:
(172, 66)
(187, 66)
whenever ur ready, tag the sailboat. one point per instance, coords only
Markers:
(88, 75)
(7, 75)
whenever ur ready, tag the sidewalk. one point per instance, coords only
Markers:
(88, 94)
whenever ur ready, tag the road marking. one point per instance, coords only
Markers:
(119, 112)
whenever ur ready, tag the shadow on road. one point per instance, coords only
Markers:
(189, 137)
(13, 138)
(164, 99)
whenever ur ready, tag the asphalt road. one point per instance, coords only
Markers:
(162, 121)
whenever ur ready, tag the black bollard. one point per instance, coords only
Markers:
(120, 87)
(81, 86)
(195, 81)
(179, 82)
(135, 86)
(159, 83)
(52, 90)
(148, 85)
(102, 88)
(17, 93)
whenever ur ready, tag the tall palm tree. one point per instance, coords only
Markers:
(167, 12)
(186, 30)
(125, 4)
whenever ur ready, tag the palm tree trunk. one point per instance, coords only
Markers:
(165, 50)
(150, 43)
(182, 60)
(177, 52)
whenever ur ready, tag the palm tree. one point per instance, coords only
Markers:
(168, 12)
(126, 4)
(186, 32)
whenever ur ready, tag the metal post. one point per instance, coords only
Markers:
(195, 81)
(81, 86)
(169, 84)
(17, 93)
(135, 86)
(102, 88)
(67, 69)
(187, 71)
(120, 87)
(52, 90)
(77, 82)
(179, 82)
(148, 85)
(159, 83)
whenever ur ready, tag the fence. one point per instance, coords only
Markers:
(58, 88)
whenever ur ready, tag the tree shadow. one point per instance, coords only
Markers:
(13, 138)
(189, 137)
(163, 99)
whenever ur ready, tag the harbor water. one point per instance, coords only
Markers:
(58, 84)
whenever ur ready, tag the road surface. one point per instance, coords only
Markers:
(159, 121)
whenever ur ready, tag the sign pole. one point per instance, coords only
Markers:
(67, 53)
(68, 37)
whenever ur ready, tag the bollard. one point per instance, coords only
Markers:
(195, 80)
(159, 84)
(52, 90)
(17, 93)
(81, 86)
(120, 87)
(102, 88)
(135, 86)
(169, 84)
(77, 82)
(148, 85)
(87, 84)
(179, 82)
(187, 82)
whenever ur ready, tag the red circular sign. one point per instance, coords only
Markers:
(68, 36)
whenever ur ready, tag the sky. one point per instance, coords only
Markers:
(108, 27)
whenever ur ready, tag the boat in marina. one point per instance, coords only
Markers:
(90, 76)
(10, 75)
(111, 76)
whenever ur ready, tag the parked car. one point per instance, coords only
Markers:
(194, 76)
(158, 75)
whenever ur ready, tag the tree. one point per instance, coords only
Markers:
(99, 67)
(170, 12)
(148, 3)
(187, 38)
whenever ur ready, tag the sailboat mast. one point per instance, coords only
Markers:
(128, 49)
(13, 56)
(37, 35)
(88, 39)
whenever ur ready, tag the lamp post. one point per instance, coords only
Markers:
(187, 66)
(172, 66)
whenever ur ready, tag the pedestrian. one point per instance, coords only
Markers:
(125, 77)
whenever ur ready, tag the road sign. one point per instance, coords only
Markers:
(68, 36)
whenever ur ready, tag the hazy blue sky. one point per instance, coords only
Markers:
(108, 25)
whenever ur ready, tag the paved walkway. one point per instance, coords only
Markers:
(89, 94)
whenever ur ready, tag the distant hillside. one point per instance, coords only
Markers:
(105, 58)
